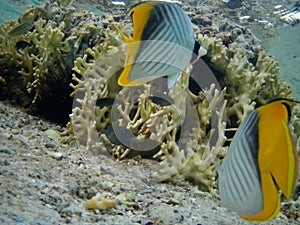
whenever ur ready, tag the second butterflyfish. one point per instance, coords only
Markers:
(162, 44)
(261, 161)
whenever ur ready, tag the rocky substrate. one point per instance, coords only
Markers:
(45, 182)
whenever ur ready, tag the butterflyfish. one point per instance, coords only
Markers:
(162, 44)
(261, 161)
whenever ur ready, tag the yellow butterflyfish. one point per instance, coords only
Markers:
(162, 44)
(261, 161)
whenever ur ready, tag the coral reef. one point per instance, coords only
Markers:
(196, 160)
(184, 127)
(172, 129)
(38, 52)
(93, 85)
(251, 79)
(247, 74)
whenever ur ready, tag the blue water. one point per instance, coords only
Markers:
(285, 47)
(11, 10)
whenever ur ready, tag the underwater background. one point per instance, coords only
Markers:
(48, 51)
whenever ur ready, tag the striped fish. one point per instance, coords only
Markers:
(162, 44)
(261, 160)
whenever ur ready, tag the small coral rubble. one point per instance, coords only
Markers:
(100, 202)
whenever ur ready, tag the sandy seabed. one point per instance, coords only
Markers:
(45, 182)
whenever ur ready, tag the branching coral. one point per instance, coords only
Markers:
(197, 160)
(188, 133)
(38, 53)
(177, 130)
(89, 88)
(48, 41)
(94, 78)
(249, 78)
(31, 48)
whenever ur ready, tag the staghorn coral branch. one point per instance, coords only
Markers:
(210, 153)
(195, 159)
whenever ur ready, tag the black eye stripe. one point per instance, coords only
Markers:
(288, 108)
